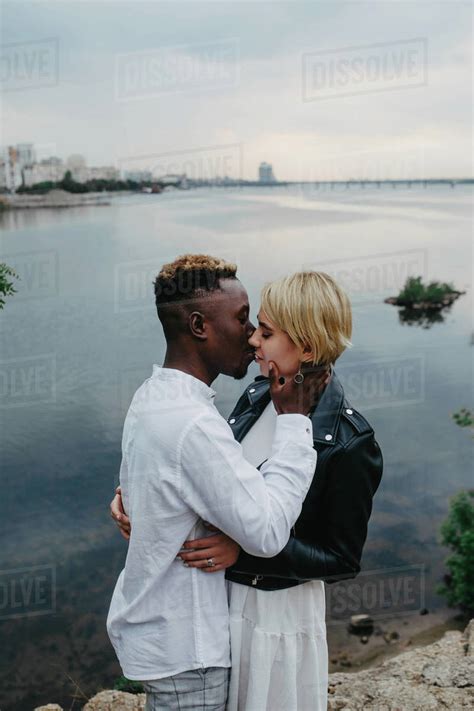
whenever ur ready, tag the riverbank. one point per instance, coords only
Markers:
(390, 637)
(54, 198)
(430, 676)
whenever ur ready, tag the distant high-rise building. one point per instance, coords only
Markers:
(265, 173)
(10, 169)
(25, 154)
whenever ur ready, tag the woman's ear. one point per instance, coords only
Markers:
(307, 354)
(197, 325)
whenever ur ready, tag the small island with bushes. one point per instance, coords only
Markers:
(416, 295)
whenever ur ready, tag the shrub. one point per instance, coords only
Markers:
(415, 290)
(457, 532)
(6, 284)
(124, 684)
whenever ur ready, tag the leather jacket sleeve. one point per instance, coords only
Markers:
(353, 474)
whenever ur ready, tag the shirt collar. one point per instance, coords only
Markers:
(172, 374)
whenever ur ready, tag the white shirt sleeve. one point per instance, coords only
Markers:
(255, 508)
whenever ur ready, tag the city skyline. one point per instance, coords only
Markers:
(147, 83)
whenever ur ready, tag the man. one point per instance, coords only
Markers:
(181, 466)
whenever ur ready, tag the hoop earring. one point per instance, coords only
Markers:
(299, 377)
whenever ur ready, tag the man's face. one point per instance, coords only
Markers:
(229, 329)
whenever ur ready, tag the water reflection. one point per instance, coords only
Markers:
(425, 318)
(86, 299)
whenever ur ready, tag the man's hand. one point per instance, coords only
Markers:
(118, 514)
(220, 548)
(298, 398)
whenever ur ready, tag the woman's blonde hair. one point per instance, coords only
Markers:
(313, 310)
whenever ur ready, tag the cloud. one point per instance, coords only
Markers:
(425, 129)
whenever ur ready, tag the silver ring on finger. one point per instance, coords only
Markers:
(210, 563)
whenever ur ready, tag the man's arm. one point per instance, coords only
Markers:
(255, 508)
(354, 477)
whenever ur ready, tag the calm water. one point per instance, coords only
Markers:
(81, 334)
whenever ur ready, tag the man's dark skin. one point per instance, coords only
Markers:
(207, 336)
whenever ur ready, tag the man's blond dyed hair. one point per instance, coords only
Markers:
(313, 310)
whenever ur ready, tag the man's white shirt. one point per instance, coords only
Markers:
(181, 466)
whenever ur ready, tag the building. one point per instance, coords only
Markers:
(104, 172)
(26, 155)
(49, 169)
(139, 176)
(75, 162)
(10, 169)
(265, 173)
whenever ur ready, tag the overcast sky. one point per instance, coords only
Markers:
(320, 90)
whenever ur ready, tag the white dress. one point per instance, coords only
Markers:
(278, 637)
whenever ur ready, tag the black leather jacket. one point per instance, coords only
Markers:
(328, 537)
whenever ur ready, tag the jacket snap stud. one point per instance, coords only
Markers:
(349, 411)
(231, 422)
(328, 437)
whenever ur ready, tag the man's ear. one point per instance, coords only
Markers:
(197, 325)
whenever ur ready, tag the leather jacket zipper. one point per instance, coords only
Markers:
(256, 579)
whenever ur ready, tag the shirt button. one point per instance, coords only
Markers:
(307, 430)
(231, 422)
(328, 437)
(349, 411)
(252, 390)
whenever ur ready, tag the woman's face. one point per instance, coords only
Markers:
(273, 344)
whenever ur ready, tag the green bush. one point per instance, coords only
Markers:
(415, 290)
(463, 418)
(457, 532)
(124, 684)
(6, 284)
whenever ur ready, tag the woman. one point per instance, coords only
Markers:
(277, 605)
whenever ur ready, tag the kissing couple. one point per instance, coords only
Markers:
(235, 526)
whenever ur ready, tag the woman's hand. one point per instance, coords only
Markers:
(220, 548)
(118, 514)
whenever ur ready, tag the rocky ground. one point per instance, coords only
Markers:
(437, 676)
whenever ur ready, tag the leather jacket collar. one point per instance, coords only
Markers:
(326, 416)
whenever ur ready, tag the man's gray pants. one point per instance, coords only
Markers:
(196, 689)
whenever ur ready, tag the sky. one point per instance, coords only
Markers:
(321, 90)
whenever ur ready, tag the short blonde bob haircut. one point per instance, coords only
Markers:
(313, 310)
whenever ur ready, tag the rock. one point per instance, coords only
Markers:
(49, 707)
(468, 639)
(440, 675)
(360, 623)
(424, 611)
(364, 639)
(447, 672)
(116, 701)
